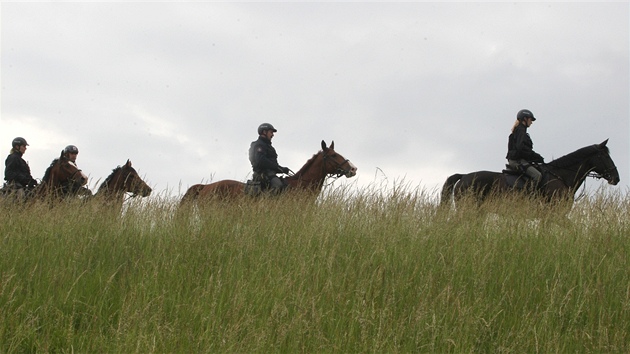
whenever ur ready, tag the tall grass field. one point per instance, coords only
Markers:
(382, 272)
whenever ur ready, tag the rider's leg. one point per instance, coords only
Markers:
(535, 175)
(527, 168)
(276, 185)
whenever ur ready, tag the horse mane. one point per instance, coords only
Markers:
(577, 156)
(110, 177)
(308, 164)
(47, 173)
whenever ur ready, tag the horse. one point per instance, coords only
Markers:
(123, 179)
(62, 178)
(561, 179)
(310, 177)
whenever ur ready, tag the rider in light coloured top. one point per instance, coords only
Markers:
(71, 152)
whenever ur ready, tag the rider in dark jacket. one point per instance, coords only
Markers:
(17, 173)
(264, 158)
(521, 152)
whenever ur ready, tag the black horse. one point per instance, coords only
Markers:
(562, 177)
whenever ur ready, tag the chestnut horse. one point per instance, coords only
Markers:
(62, 178)
(310, 177)
(123, 179)
(561, 179)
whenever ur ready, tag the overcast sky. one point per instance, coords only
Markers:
(409, 92)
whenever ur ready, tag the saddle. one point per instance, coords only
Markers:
(258, 184)
(516, 179)
(253, 188)
(15, 189)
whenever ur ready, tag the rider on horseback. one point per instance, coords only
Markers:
(17, 173)
(520, 147)
(71, 152)
(264, 159)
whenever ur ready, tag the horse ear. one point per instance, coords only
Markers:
(128, 164)
(604, 143)
(324, 145)
(332, 145)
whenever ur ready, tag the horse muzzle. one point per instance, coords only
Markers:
(146, 192)
(612, 177)
(143, 190)
(352, 171)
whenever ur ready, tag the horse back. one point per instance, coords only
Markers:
(480, 183)
(192, 192)
(223, 189)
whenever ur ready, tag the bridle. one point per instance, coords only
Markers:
(70, 184)
(129, 183)
(606, 174)
(339, 171)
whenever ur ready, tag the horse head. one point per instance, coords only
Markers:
(125, 179)
(64, 176)
(335, 164)
(603, 165)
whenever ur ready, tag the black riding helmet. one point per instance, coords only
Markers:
(265, 126)
(19, 141)
(71, 149)
(525, 113)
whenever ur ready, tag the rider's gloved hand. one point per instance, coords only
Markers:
(284, 170)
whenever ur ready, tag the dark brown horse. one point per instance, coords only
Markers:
(123, 179)
(62, 178)
(310, 177)
(561, 179)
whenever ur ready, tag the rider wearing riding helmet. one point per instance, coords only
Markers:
(264, 159)
(71, 152)
(17, 173)
(521, 154)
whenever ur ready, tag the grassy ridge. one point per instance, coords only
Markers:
(360, 273)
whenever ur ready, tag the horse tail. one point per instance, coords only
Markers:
(449, 185)
(192, 193)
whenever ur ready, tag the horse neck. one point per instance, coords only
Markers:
(112, 189)
(50, 183)
(311, 176)
(50, 178)
(573, 175)
(109, 197)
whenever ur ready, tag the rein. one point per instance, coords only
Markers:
(320, 181)
(68, 186)
(70, 183)
(589, 173)
(126, 195)
(74, 174)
